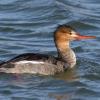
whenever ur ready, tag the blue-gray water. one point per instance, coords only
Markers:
(28, 25)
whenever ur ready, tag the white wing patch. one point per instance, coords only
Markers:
(31, 62)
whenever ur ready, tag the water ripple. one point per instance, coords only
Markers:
(28, 26)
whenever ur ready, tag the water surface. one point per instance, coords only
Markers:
(28, 26)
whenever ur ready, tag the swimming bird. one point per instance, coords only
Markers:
(46, 64)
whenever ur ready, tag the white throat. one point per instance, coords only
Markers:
(68, 56)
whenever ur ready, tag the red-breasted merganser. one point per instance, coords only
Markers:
(44, 64)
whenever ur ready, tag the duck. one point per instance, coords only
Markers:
(35, 63)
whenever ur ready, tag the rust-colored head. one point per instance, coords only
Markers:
(66, 33)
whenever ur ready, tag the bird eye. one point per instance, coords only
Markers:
(70, 33)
